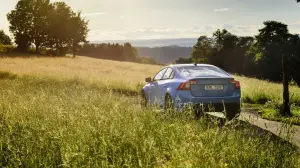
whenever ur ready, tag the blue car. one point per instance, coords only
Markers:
(200, 86)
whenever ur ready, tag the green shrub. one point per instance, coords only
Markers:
(7, 48)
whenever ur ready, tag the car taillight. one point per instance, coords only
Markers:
(186, 85)
(237, 84)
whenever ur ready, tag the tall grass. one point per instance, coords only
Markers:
(56, 122)
(260, 91)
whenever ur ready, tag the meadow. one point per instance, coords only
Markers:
(84, 112)
(130, 76)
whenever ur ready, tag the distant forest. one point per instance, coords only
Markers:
(126, 52)
(165, 55)
(116, 52)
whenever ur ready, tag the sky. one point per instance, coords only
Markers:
(158, 19)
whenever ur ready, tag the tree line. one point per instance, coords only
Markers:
(259, 56)
(116, 51)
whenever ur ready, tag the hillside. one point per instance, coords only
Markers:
(164, 51)
(165, 55)
(182, 42)
(84, 112)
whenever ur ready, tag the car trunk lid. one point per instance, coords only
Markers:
(212, 87)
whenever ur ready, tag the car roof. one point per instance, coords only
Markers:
(192, 65)
(187, 65)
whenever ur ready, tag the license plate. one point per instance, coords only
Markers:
(214, 87)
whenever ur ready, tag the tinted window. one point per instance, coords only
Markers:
(160, 75)
(201, 71)
(168, 73)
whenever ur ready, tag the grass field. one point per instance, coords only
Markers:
(130, 76)
(74, 113)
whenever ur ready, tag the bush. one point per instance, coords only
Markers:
(7, 48)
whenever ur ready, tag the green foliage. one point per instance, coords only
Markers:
(4, 39)
(100, 128)
(224, 50)
(258, 56)
(269, 49)
(78, 32)
(129, 53)
(44, 24)
(202, 50)
(66, 28)
(275, 47)
(7, 48)
(28, 23)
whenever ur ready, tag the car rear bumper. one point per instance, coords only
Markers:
(219, 102)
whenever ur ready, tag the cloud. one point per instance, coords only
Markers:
(147, 33)
(228, 26)
(221, 10)
(170, 32)
(94, 14)
(296, 23)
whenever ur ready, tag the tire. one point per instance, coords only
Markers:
(169, 106)
(144, 101)
(232, 111)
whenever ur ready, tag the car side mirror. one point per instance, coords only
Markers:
(148, 80)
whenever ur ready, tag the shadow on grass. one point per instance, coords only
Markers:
(260, 99)
(7, 75)
(30, 55)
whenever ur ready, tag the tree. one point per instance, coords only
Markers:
(226, 43)
(65, 29)
(59, 20)
(239, 54)
(28, 23)
(39, 23)
(202, 50)
(4, 39)
(294, 61)
(129, 53)
(272, 52)
(79, 31)
(19, 25)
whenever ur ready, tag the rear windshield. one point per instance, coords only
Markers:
(201, 71)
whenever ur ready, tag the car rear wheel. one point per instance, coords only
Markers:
(232, 111)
